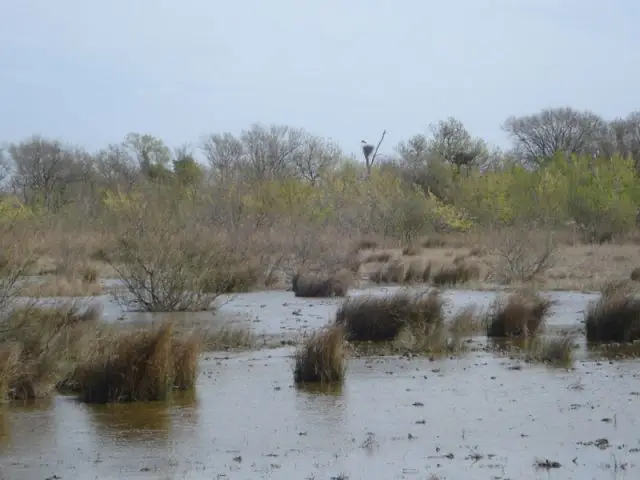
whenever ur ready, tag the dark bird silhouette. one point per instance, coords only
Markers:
(367, 149)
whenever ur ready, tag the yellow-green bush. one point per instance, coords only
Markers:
(602, 194)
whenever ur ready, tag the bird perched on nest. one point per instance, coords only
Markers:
(367, 149)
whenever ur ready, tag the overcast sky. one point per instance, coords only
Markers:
(89, 72)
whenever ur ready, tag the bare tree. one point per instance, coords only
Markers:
(5, 167)
(224, 152)
(453, 142)
(270, 150)
(370, 153)
(116, 168)
(626, 135)
(539, 136)
(43, 169)
(314, 157)
(148, 150)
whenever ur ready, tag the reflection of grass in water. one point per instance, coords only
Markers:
(4, 426)
(619, 351)
(331, 389)
(140, 420)
(554, 351)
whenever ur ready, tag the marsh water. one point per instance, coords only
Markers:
(477, 416)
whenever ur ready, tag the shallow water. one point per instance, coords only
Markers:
(394, 418)
(281, 313)
(472, 417)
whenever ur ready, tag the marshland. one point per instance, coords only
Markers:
(316, 317)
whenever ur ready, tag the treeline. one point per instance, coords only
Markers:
(564, 167)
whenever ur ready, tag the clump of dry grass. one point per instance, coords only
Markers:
(467, 321)
(321, 358)
(45, 342)
(457, 273)
(138, 365)
(411, 250)
(366, 244)
(227, 337)
(434, 242)
(614, 317)
(616, 350)
(377, 257)
(10, 353)
(311, 284)
(521, 315)
(234, 279)
(617, 287)
(556, 351)
(400, 271)
(383, 318)
(418, 271)
(61, 286)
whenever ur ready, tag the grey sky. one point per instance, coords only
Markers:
(89, 72)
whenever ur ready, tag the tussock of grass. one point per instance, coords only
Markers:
(321, 358)
(237, 279)
(614, 318)
(434, 242)
(227, 337)
(456, 273)
(400, 271)
(366, 244)
(521, 315)
(308, 284)
(467, 321)
(56, 286)
(418, 271)
(619, 351)
(377, 257)
(411, 250)
(40, 345)
(382, 318)
(138, 365)
(617, 287)
(556, 351)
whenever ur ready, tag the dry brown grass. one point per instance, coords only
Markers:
(366, 244)
(142, 365)
(312, 284)
(467, 321)
(61, 286)
(401, 271)
(377, 257)
(521, 314)
(321, 358)
(412, 250)
(383, 318)
(555, 351)
(614, 318)
(457, 273)
(617, 351)
(46, 342)
(226, 337)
